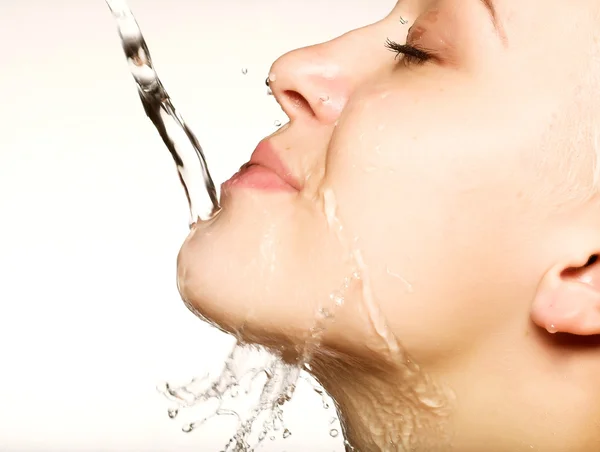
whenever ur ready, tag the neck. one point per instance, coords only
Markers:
(389, 408)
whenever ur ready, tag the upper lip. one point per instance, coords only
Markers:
(264, 155)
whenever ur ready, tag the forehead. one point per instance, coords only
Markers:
(539, 16)
(506, 7)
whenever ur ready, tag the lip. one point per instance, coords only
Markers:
(264, 171)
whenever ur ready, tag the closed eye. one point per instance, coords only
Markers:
(410, 54)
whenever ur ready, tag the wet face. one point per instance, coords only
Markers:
(425, 200)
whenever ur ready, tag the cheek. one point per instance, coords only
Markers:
(394, 175)
(423, 207)
(263, 276)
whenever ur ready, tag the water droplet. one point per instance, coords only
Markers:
(325, 405)
(324, 98)
(431, 402)
(552, 329)
(272, 438)
(173, 412)
(272, 77)
(262, 435)
(333, 433)
(244, 71)
(286, 433)
(316, 330)
(277, 123)
(269, 92)
(337, 298)
(325, 313)
(403, 21)
(333, 420)
(188, 428)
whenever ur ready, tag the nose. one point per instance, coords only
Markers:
(310, 83)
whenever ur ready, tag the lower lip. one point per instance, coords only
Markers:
(258, 177)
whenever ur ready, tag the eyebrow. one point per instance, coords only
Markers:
(489, 4)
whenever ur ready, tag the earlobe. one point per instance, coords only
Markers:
(568, 299)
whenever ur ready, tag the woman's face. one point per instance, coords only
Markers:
(423, 202)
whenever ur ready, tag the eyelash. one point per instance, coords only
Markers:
(410, 54)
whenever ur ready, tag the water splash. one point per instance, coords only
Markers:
(425, 403)
(178, 137)
(206, 397)
(246, 369)
(360, 273)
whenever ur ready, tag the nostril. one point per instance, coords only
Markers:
(298, 101)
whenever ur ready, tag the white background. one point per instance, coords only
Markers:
(92, 214)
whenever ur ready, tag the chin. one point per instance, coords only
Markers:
(262, 270)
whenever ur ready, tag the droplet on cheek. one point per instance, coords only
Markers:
(552, 329)
(409, 286)
(337, 298)
(330, 208)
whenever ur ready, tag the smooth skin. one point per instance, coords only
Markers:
(461, 192)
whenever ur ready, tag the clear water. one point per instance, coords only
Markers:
(263, 380)
(252, 389)
(177, 136)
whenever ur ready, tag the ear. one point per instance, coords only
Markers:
(568, 298)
